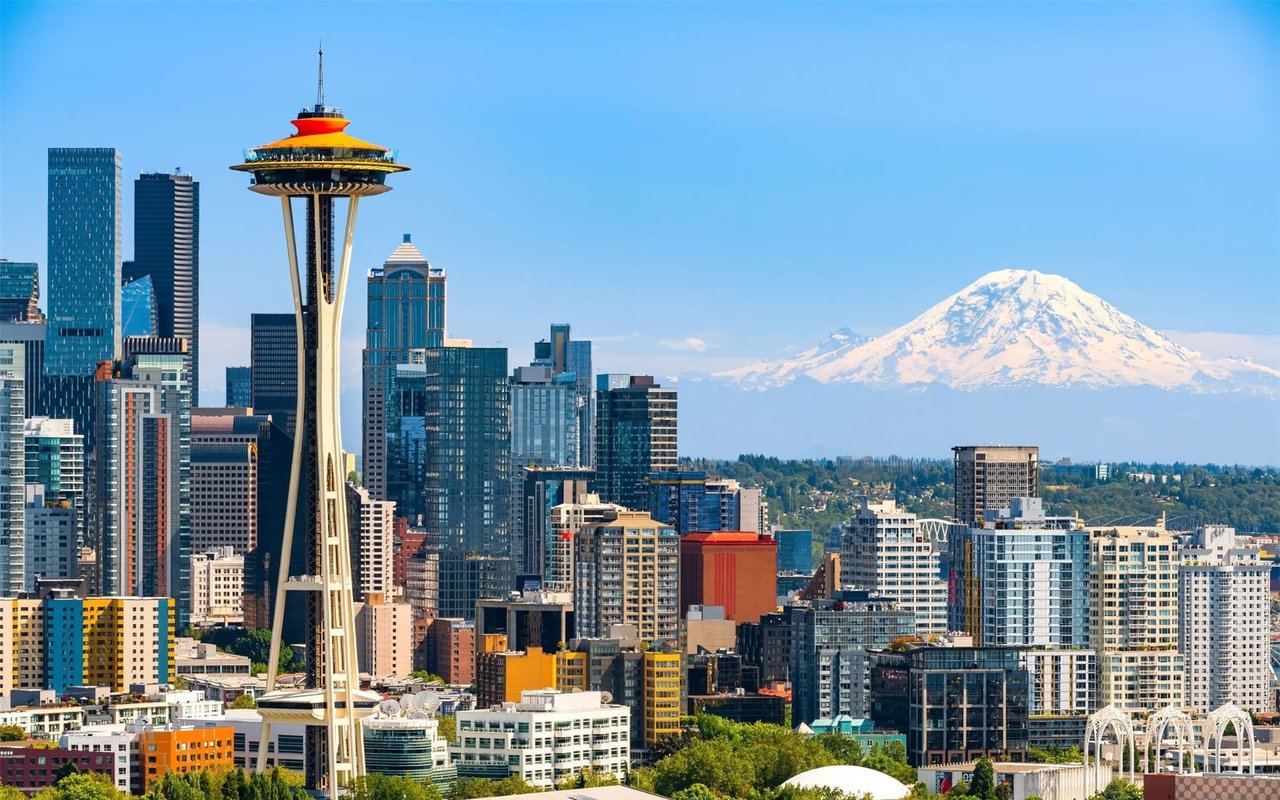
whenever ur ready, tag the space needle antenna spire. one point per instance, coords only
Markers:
(320, 80)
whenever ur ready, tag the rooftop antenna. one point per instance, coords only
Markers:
(320, 81)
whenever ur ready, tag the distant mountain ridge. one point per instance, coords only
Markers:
(1011, 328)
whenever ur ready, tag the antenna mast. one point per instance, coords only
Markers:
(320, 81)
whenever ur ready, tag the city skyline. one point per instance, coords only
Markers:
(784, 165)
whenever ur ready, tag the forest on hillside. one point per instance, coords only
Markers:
(816, 494)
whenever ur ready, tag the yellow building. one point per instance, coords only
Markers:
(501, 677)
(662, 673)
(571, 671)
(28, 643)
(125, 641)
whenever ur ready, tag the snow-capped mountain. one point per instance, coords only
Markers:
(1015, 327)
(766, 374)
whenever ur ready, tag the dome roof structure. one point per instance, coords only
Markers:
(853, 781)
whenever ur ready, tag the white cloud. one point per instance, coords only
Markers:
(689, 343)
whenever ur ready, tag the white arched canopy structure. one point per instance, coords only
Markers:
(1177, 723)
(1100, 722)
(938, 530)
(1219, 719)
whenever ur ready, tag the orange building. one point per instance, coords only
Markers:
(183, 749)
(501, 677)
(734, 569)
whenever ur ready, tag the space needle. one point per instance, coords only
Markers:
(321, 165)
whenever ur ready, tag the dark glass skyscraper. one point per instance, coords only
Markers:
(85, 232)
(166, 246)
(635, 435)
(19, 291)
(406, 314)
(568, 357)
(468, 448)
(273, 358)
(239, 386)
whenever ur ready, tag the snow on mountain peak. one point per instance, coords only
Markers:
(1013, 327)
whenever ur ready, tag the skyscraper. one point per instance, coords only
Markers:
(239, 387)
(1021, 579)
(406, 313)
(641, 589)
(55, 460)
(138, 307)
(537, 490)
(989, 477)
(885, 552)
(544, 419)
(31, 336)
(1133, 618)
(85, 252)
(566, 356)
(468, 449)
(1224, 614)
(19, 291)
(85, 233)
(321, 165)
(166, 247)
(224, 480)
(635, 435)
(273, 358)
(142, 482)
(13, 467)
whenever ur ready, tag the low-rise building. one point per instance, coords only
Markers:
(217, 587)
(192, 657)
(505, 676)
(545, 738)
(30, 769)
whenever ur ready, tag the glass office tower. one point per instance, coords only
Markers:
(85, 232)
(406, 314)
(166, 246)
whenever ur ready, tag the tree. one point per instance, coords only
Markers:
(467, 788)
(10, 793)
(12, 733)
(393, 787)
(1119, 789)
(983, 786)
(67, 768)
(243, 701)
(82, 786)
(426, 677)
(588, 778)
(697, 791)
(448, 728)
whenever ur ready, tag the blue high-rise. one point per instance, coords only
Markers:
(406, 315)
(795, 551)
(138, 308)
(85, 247)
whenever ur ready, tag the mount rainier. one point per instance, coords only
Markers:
(1014, 328)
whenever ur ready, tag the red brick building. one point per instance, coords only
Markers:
(734, 569)
(30, 769)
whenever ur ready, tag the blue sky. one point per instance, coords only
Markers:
(693, 185)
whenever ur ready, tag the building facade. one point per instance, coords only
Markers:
(1224, 631)
(273, 368)
(884, 551)
(224, 480)
(830, 640)
(732, 569)
(636, 434)
(217, 587)
(239, 393)
(545, 738)
(1021, 580)
(1133, 618)
(20, 291)
(372, 526)
(166, 247)
(85, 255)
(627, 573)
(991, 476)
(13, 470)
(406, 313)
(143, 480)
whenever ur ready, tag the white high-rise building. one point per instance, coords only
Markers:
(1133, 617)
(217, 587)
(13, 460)
(566, 520)
(546, 737)
(55, 460)
(884, 551)
(1021, 579)
(1224, 614)
(372, 525)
